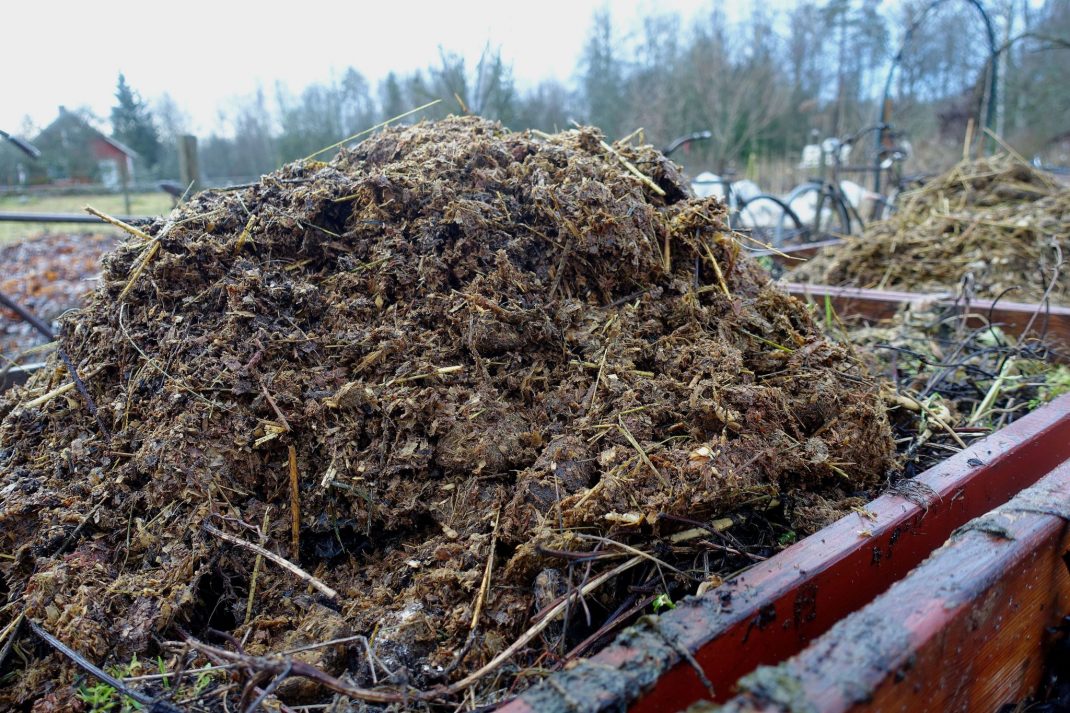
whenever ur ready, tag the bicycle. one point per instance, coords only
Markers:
(823, 205)
(765, 218)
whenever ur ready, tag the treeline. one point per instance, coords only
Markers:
(265, 133)
(763, 86)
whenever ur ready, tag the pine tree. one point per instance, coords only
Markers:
(392, 96)
(132, 123)
(602, 77)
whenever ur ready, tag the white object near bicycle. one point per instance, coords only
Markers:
(708, 185)
(812, 154)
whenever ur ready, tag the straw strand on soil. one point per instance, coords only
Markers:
(268, 554)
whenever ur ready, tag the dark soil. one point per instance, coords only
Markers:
(452, 326)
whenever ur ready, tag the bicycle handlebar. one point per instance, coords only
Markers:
(851, 139)
(677, 143)
(862, 132)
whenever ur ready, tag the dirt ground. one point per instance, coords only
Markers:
(456, 379)
(48, 274)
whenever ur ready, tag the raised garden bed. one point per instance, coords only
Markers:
(968, 629)
(1053, 321)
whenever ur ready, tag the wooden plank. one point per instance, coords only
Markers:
(776, 608)
(17, 375)
(855, 302)
(1052, 321)
(966, 631)
(189, 165)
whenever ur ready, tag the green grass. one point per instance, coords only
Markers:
(112, 204)
(99, 697)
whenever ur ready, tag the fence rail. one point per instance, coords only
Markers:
(14, 191)
(68, 218)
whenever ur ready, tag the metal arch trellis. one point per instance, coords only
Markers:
(993, 70)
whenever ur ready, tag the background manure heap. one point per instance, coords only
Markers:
(456, 341)
(995, 219)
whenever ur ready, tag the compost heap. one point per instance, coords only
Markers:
(993, 222)
(449, 338)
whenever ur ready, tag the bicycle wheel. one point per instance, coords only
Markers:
(820, 210)
(770, 222)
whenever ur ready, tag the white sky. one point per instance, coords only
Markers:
(204, 54)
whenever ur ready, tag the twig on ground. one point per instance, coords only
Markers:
(143, 262)
(717, 270)
(630, 550)
(210, 652)
(642, 453)
(294, 667)
(612, 623)
(270, 688)
(633, 170)
(8, 636)
(295, 504)
(485, 585)
(914, 404)
(149, 253)
(59, 390)
(268, 554)
(245, 233)
(533, 631)
(137, 232)
(256, 568)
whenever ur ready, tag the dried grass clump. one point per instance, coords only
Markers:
(997, 223)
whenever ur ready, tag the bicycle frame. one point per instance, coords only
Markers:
(733, 202)
(684, 140)
(829, 188)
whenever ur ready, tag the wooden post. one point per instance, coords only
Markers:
(124, 174)
(189, 167)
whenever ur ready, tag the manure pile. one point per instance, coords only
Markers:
(994, 221)
(482, 368)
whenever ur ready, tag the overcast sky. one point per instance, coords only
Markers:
(207, 53)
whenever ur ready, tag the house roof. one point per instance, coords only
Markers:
(119, 145)
(68, 116)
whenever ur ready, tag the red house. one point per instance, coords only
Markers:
(73, 151)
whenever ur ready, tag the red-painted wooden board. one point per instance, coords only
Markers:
(1051, 321)
(965, 631)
